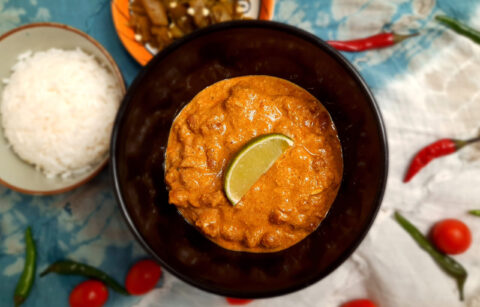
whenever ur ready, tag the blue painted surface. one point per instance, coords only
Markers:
(85, 224)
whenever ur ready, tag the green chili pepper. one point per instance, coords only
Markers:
(448, 264)
(25, 282)
(69, 267)
(460, 28)
(475, 212)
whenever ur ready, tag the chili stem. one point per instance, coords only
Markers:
(459, 144)
(397, 38)
(473, 140)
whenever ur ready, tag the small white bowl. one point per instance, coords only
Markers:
(14, 172)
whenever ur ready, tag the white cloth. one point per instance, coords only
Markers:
(439, 97)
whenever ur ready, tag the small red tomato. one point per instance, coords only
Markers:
(359, 303)
(238, 301)
(451, 236)
(90, 293)
(142, 277)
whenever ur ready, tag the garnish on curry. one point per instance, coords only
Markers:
(290, 200)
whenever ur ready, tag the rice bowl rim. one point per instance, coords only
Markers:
(116, 74)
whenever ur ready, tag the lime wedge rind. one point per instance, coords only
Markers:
(251, 162)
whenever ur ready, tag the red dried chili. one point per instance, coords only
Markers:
(435, 150)
(381, 40)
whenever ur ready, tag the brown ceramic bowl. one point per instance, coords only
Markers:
(14, 172)
(171, 80)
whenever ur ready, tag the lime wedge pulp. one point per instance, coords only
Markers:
(251, 162)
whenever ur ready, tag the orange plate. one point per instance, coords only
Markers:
(263, 9)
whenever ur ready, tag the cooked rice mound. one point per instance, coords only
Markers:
(57, 110)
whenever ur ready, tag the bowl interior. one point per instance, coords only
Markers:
(16, 173)
(171, 80)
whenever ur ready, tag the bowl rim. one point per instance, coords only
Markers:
(300, 33)
(117, 74)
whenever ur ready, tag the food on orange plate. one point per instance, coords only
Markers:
(158, 22)
(286, 203)
(142, 277)
(90, 293)
(451, 236)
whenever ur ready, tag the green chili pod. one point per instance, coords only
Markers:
(475, 212)
(460, 28)
(448, 264)
(25, 283)
(69, 267)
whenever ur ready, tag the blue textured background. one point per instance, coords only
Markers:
(85, 224)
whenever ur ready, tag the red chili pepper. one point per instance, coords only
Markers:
(381, 40)
(238, 301)
(359, 303)
(435, 150)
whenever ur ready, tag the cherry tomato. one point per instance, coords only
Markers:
(238, 301)
(451, 236)
(90, 293)
(359, 303)
(142, 277)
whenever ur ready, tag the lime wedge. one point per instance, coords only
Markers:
(251, 162)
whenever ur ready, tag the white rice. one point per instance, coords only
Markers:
(57, 110)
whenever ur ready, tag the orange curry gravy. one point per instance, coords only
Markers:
(290, 200)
